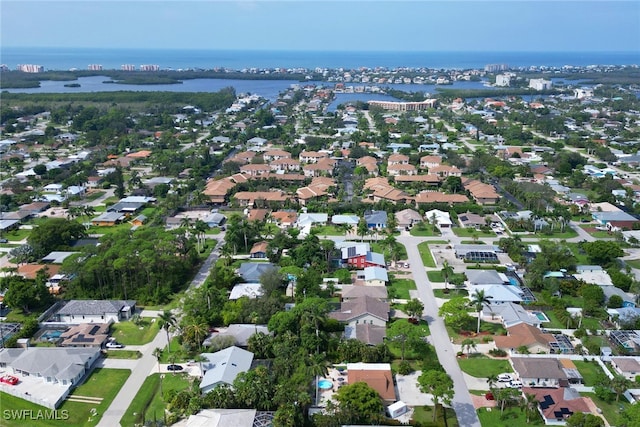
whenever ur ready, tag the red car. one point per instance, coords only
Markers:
(9, 379)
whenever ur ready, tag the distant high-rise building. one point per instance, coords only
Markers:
(30, 68)
(149, 67)
(503, 80)
(540, 84)
(492, 68)
(128, 67)
(94, 67)
(3, 67)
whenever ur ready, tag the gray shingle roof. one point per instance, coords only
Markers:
(224, 366)
(94, 307)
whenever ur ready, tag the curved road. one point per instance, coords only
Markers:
(461, 403)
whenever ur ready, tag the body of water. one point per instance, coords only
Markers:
(80, 58)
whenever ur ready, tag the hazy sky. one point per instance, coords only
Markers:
(372, 25)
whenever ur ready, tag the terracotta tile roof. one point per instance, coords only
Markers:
(438, 197)
(523, 334)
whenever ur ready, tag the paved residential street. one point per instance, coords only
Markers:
(461, 403)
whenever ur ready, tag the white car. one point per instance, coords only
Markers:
(515, 384)
(114, 344)
(505, 378)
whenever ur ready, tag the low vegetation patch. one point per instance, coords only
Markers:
(128, 333)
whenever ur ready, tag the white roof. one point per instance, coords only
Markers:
(251, 290)
(499, 293)
(600, 278)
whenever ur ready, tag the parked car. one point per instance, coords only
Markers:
(515, 384)
(174, 368)
(4, 241)
(505, 378)
(9, 379)
(114, 344)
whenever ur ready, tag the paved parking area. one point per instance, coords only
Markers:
(409, 392)
(34, 389)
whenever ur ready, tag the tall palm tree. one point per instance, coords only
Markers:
(167, 320)
(317, 367)
(478, 301)
(529, 405)
(157, 353)
(447, 272)
(195, 332)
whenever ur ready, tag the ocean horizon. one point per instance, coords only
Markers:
(175, 59)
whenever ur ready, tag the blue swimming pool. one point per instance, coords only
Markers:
(325, 384)
(51, 334)
(540, 315)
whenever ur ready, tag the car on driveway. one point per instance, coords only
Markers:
(174, 368)
(505, 378)
(515, 384)
(114, 344)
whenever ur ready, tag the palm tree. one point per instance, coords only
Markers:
(195, 332)
(492, 379)
(478, 301)
(529, 405)
(157, 353)
(447, 272)
(167, 320)
(317, 366)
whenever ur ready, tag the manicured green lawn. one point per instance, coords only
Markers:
(327, 230)
(611, 411)
(482, 367)
(383, 249)
(17, 235)
(568, 234)
(512, 417)
(149, 400)
(453, 293)
(123, 354)
(471, 232)
(424, 416)
(401, 287)
(590, 371)
(128, 333)
(425, 253)
(423, 231)
(104, 383)
(435, 276)
(93, 195)
(598, 234)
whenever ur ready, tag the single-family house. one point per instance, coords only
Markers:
(226, 417)
(376, 220)
(439, 218)
(241, 332)
(510, 314)
(407, 218)
(373, 276)
(94, 311)
(85, 335)
(540, 371)
(259, 250)
(222, 367)
(628, 367)
(364, 310)
(251, 271)
(249, 290)
(378, 376)
(355, 291)
(527, 336)
(62, 367)
(557, 404)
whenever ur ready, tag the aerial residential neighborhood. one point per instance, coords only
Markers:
(223, 259)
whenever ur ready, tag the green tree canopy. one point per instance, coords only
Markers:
(55, 234)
